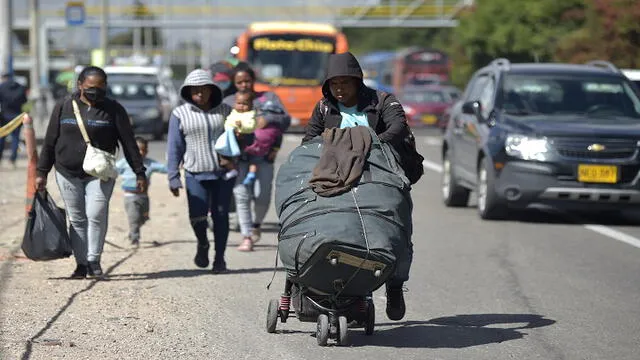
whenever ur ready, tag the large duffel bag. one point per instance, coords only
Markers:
(344, 243)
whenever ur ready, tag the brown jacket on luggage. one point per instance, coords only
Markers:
(342, 160)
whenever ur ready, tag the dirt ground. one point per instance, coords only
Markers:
(45, 316)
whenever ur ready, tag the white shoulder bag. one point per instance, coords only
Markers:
(97, 162)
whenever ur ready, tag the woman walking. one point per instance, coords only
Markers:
(272, 113)
(193, 129)
(86, 198)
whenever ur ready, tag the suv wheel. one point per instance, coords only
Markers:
(453, 194)
(489, 205)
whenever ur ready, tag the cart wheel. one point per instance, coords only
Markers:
(343, 331)
(272, 316)
(322, 332)
(371, 318)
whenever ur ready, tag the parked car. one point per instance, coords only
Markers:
(425, 105)
(139, 96)
(540, 135)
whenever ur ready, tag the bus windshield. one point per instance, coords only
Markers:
(290, 59)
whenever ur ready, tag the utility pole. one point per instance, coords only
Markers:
(34, 45)
(104, 32)
(6, 48)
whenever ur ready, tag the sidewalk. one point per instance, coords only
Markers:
(149, 305)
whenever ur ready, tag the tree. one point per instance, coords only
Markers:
(521, 31)
(611, 32)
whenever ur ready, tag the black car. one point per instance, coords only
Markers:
(544, 135)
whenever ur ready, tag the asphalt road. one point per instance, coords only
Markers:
(538, 286)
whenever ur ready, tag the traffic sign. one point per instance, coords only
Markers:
(75, 13)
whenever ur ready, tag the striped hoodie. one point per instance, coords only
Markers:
(193, 132)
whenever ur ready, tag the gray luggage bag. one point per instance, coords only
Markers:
(343, 244)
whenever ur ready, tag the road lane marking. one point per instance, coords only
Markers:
(432, 166)
(433, 140)
(614, 234)
(600, 229)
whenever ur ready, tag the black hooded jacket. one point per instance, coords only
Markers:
(107, 123)
(388, 119)
(12, 97)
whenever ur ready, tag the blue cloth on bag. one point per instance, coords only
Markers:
(227, 144)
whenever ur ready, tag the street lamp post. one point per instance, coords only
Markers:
(104, 32)
(6, 52)
(34, 73)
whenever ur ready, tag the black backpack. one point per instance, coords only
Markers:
(410, 159)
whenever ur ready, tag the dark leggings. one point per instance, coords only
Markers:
(213, 196)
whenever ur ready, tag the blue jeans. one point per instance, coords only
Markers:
(213, 196)
(259, 195)
(87, 204)
(15, 142)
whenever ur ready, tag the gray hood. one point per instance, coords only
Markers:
(200, 77)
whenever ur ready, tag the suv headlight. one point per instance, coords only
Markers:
(150, 113)
(527, 148)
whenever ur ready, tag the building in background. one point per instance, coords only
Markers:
(186, 35)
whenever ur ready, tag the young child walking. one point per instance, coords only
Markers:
(136, 204)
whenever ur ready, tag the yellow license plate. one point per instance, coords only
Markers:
(429, 119)
(598, 174)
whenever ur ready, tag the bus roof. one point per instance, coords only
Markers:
(416, 49)
(377, 56)
(290, 26)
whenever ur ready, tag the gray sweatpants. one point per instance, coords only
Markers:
(259, 195)
(137, 209)
(87, 204)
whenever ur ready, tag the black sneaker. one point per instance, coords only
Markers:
(202, 256)
(219, 266)
(80, 272)
(94, 270)
(395, 303)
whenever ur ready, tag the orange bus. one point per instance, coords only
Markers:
(290, 59)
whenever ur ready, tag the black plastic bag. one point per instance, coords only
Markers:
(46, 236)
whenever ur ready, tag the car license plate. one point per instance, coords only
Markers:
(429, 119)
(598, 173)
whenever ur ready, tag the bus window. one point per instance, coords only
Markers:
(290, 59)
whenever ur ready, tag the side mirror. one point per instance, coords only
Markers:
(473, 108)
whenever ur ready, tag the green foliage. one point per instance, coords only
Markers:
(611, 32)
(523, 31)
